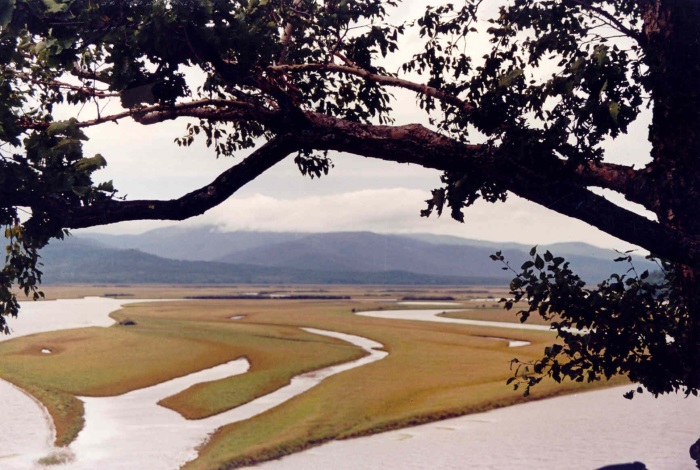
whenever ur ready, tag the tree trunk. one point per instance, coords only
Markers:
(673, 56)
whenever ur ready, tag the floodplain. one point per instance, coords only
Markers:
(433, 370)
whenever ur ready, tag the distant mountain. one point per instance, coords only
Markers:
(426, 254)
(203, 243)
(366, 251)
(374, 252)
(565, 249)
(75, 260)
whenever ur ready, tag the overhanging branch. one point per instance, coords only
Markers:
(582, 204)
(195, 203)
(419, 145)
(209, 109)
(560, 189)
(623, 179)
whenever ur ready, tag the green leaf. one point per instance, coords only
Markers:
(80, 190)
(88, 165)
(508, 78)
(614, 109)
(45, 44)
(55, 6)
(107, 186)
(60, 127)
(539, 262)
(601, 54)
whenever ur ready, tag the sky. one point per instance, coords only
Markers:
(358, 194)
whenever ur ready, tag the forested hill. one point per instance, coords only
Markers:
(321, 257)
(85, 261)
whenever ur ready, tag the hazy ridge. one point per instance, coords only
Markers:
(206, 255)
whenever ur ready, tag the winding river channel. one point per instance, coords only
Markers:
(130, 431)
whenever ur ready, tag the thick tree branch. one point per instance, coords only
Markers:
(606, 175)
(195, 203)
(623, 179)
(421, 146)
(559, 189)
(582, 204)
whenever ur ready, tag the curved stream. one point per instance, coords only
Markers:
(27, 430)
(131, 431)
(583, 431)
(431, 315)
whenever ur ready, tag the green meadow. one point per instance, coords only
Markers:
(433, 371)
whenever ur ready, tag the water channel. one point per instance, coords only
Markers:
(583, 431)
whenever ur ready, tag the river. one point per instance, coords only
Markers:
(583, 431)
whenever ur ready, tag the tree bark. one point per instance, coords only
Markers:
(672, 49)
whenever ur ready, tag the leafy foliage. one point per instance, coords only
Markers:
(627, 325)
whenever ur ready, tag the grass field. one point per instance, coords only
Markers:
(433, 371)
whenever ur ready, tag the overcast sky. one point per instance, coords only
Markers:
(358, 194)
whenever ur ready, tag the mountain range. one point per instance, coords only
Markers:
(207, 255)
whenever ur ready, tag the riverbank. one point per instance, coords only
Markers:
(583, 431)
(433, 370)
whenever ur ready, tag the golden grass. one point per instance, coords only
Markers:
(167, 341)
(433, 371)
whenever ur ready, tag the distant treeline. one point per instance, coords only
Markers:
(428, 298)
(269, 297)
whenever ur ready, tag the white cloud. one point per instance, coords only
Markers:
(396, 210)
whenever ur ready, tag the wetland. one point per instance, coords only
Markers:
(219, 372)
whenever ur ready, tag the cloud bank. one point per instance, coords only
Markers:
(397, 210)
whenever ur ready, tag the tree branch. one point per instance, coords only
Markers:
(86, 90)
(192, 204)
(419, 145)
(580, 203)
(559, 189)
(211, 109)
(623, 179)
(379, 79)
(616, 24)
